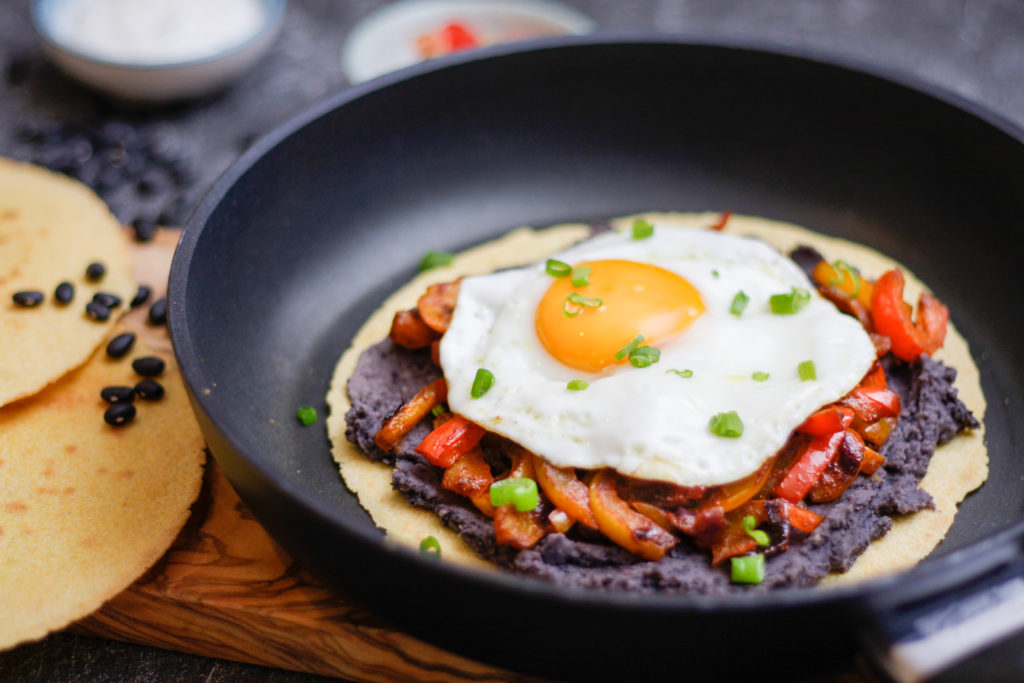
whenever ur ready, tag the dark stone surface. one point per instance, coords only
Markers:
(970, 47)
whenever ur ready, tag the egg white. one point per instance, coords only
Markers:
(648, 422)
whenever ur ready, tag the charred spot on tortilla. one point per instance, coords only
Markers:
(823, 530)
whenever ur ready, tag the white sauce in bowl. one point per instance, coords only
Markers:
(156, 31)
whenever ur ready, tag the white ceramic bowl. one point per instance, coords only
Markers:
(386, 39)
(152, 83)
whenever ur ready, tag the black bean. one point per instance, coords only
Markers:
(144, 228)
(109, 179)
(95, 271)
(175, 212)
(140, 296)
(55, 157)
(118, 133)
(149, 390)
(158, 312)
(18, 70)
(30, 132)
(181, 172)
(81, 150)
(150, 182)
(107, 299)
(148, 366)
(97, 311)
(120, 345)
(117, 394)
(64, 293)
(28, 298)
(119, 414)
(115, 157)
(89, 173)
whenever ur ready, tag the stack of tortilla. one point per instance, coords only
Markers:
(85, 508)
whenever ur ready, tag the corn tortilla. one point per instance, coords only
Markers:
(51, 229)
(956, 469)
(86, 508)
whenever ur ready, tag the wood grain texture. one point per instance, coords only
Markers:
(226, 589)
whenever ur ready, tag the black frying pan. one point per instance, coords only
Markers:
(299, 242)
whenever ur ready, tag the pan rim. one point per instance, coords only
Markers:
(925, 579)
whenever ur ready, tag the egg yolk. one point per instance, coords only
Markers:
(622, 300)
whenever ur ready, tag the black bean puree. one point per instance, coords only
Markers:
(388, 375)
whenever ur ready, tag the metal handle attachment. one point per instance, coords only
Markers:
(927, 639)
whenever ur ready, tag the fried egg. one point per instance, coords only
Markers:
(564, 385)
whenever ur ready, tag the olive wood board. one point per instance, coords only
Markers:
(225, 589)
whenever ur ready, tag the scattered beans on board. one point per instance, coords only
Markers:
(27, 298)
(119, 414)
(148, 366)
(120, 345)
(64, 292)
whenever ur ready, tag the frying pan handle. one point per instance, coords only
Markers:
(975, 630)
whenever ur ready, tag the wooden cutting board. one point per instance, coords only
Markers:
(226, 589)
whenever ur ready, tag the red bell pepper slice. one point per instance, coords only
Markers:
(870, 404)
(722, 221)
(875, 377)
(622, 524)
(827, 420)
(872, 461)
(449, 440)
(804, 472)
(456, 36)
(892, 317)
(409, 415)
(841, 472)
(932, 319)
(801, 519)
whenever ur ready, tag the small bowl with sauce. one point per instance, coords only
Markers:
(156, 51)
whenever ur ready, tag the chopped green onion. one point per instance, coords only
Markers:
(788, 304)
(519, 491)
(581, 276)
(628, 348)
(430, 546)
(739, 302)
(644, 356)
(435, 259)
(714, 273)
(750, 526)
(685, 374)
(642, 229)
(437, 411)
(306, 415)
(481, 383)
(748, 569)
(844, 271)
(577, 385)
(557, 268)
(727, 424)
(760, 376)
(807, 371)
(574, 304)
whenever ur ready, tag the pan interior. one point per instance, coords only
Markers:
(316, 231)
